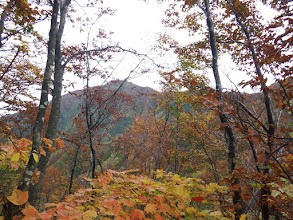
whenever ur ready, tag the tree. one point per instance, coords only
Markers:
(18, 69)
(228, 131)
(254, 46)
(54, 54)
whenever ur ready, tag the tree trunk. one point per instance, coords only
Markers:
(228, 132)
(270, 120)
(176, 170)
(39, 124)
(55, 110)
(73, 169)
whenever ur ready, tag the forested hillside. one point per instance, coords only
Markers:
(114, 150)
(140, 102)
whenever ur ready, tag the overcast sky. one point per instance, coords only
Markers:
(136, 25)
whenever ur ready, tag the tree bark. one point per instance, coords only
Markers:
(176, 162)
(270, 120)
(34, 191)
(228, 132)
(39, 124)
(73, 169)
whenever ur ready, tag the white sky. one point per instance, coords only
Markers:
(136, 25)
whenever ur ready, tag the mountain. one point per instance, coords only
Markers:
(141, 102)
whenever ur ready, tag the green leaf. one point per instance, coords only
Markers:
(157, 191)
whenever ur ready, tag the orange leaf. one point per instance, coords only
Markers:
(42, 151)
(150, 208)
(47, 142)
(23, 142)
(30, 211)
(108, 202)
(18, 197)
(158, 217)
(159, 199)
(128, 203)
(137, 214)
(51, 149)
(143, 198)
(47, 215)
(165, 208)
(59, 143)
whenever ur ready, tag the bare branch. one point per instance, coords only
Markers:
(105, 49)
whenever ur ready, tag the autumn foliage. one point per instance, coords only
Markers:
(194, 150)
(122, 195)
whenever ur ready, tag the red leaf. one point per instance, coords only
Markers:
(197, 199)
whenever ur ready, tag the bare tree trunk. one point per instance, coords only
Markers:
(270, 120)
(176, 170)
(73, 169)
(228, 132)
(56, 104)
(2, 21)
(161, 142)
(39, 124)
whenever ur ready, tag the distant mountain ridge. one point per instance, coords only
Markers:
(71, 105)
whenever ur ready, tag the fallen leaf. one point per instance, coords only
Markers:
(30, 211)
(18, 197)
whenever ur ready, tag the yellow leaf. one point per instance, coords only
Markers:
(90, 214)
(182, 192)
(2, 218)
(243, 217)
(15, 157)
(176, 177)
(202, 214)
(191, 210)
(159, 173)
(36, 157)
(18, 197)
